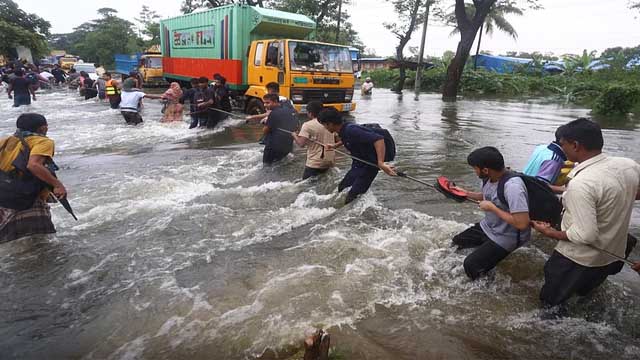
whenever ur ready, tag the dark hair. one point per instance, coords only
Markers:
(96, 65)
(30, 121)
(330, 115)
(314, 107)
(203, 79)
(271, 97)
(107, 73)
(194, 81)
(583, 131)
(273, 86)
(19, 72)
(72, 70)
(557, 134)
(217, 76)
(84, 74)
(486, 157)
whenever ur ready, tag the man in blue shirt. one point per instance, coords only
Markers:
(361, 143)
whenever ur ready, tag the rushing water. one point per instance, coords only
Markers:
(187, 247)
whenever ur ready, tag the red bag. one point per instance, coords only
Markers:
(445, 187)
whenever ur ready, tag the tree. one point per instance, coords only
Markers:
(150, 26)
(326, 16)
(408, 12)
(494, 20)
(468, 25)
(573, 63)
(189, 6)
(20, 28)
(635, 4)
(100, 39)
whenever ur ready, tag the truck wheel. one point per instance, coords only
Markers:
(255, 106)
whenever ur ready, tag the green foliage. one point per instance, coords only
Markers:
(617, 99)
(150, 26)
(20, 28)
(325, 14)
(99, 40)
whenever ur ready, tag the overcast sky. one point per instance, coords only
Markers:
(563, 26)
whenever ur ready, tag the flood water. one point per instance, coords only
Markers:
(188, 248)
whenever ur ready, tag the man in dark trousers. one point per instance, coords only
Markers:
(361, 143)
(598, 204)
(277, 143)
(22, 90)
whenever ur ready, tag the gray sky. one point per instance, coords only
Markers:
(563, 26)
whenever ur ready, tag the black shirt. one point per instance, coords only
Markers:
(21, 86)
(359, 141)
(276, 140)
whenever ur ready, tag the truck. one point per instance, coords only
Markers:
(251, 47)
(148, 64)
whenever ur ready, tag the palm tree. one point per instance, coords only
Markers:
(575, 63)
(494, 20)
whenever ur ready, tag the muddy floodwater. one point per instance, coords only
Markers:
(187, 247)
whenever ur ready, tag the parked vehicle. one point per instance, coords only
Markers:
(66, 62)
(148, 64)
(90, 68)
(252, 46)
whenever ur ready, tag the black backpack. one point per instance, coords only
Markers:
(19, 192)
(544, 205)
(389, 143)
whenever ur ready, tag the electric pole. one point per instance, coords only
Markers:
(424, 38)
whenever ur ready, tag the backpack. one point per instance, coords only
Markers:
(544, 205)
(389, 143)
(20, 192)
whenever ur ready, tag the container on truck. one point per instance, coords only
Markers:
(251, 47)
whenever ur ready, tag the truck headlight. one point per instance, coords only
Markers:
(297, 98)
(348, 97)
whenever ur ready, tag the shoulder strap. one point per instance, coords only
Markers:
(503, 180)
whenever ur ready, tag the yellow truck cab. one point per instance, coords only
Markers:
(305, 71)
(67, 62)
(251, 47)
(151, 69)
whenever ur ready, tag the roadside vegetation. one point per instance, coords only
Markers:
(614, 90)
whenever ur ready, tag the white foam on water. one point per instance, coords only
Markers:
(132, 350)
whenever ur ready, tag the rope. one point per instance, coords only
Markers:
(400, 173)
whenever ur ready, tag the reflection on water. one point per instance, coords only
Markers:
(187, 247)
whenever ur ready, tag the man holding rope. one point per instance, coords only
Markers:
(362, 143)
(598, 205)
(319, 159)
(278, 144)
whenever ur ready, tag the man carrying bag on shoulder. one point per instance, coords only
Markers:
(27, 173)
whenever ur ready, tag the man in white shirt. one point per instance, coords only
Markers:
(598, 204)
(319, 158)
(131, 100)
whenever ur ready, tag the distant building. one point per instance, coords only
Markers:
(368, 64)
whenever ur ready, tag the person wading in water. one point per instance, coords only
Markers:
(28, 171)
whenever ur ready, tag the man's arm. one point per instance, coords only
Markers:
(256, 117)
(10, 89)
(380, 150)
(300, 140)
(153, 96)
(519, 220)
(37, 168)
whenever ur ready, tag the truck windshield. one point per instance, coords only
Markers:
(154, 62)
(319, 57)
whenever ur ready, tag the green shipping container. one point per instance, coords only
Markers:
(217, 40)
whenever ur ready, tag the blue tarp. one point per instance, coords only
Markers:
(500, 64)
(635, 62)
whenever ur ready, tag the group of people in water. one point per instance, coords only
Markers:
(597, 191)
(126, 95)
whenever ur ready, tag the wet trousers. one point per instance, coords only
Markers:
(563, 278)
(359, 179)
(483, 259)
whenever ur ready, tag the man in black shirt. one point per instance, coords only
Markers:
(190, 94)
(277, 143)
(22, 89)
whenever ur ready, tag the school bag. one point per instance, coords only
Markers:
(389, 143)
(19, 192)
(544, 205)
